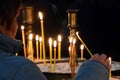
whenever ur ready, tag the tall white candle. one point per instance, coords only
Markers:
(23, 40)
(30, 47)
(81, 48)
(55, 45)
(50, 50)
(37, 50)
(43, 37)
(40, 39)
(59, 46)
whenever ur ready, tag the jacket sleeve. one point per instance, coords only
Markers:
(29, 71)
(92, 70)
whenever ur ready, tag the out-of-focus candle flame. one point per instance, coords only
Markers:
(37, 37)
(40, 15)
(55, 43)
(50, 41)
(30, 36)
(22, 27)
(40, 39)
(77, 33)
(74, 41)
(81, 46)
(59, 38)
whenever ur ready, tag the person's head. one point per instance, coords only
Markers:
(9, 11)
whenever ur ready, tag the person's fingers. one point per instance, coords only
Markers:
(108, 63)
(96, 56)
(103, 57)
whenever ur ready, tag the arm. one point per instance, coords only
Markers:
(97, 68)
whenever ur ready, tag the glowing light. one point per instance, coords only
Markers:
(55, 43)
(59, 38)
(81, 46)
(40, 15)
(30, 36)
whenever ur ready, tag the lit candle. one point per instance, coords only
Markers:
(55, 45)
(37, 51)
(50, 50)
(110, 59)
(59, 46)
(30, 47)
(77, 33)
(81, 48)
(43, 38)
(23, 40)
(40, 39)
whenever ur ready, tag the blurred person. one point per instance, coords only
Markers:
(13, 67)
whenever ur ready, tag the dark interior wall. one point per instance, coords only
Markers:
(98, 22)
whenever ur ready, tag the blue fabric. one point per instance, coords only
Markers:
(92, 70)
(16, 67)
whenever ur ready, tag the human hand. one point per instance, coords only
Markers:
(103, 59)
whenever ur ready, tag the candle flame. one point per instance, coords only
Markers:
(40, 39)
(50, 41)
(37, 37)
(22, 27)
(30, 36)
(81, 46)
(55, 43)
(59, 38)
(77, 33)
(70, 40)
(40, 15)
(110, 59)
(74, 41)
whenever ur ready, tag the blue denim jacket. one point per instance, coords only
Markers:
(16, 67)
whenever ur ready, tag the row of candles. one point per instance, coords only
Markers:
(52, 43)
(39, 48)
(39, 41)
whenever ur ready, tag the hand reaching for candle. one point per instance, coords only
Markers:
(96, 68)
(103, 59)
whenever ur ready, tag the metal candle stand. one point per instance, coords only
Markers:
(72, 25)
(28, 22)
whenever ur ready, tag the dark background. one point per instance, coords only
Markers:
(98, 22)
